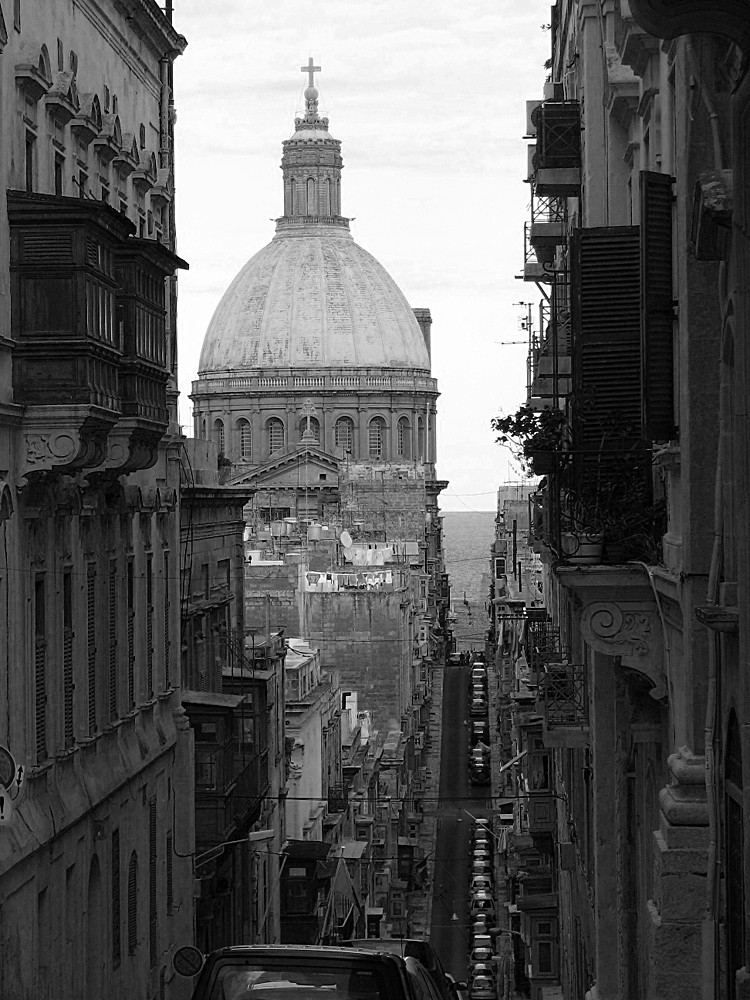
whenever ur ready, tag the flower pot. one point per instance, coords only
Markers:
(582, 549)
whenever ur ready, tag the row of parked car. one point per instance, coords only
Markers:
(479, 727)
(482, 982)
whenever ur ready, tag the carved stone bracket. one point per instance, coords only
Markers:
(63, 439)
(631, 632)
(670, 18)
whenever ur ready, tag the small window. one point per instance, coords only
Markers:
(219, 435)
(59, 171)
(344, 434)
(29, 161)
(246, 451)
(73, 63)
(377, 437)
(60, 55)
(142, 136)
(205, 769)
(106, 100)
(404, 438)
(275, 435)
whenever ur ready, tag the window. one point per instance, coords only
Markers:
(170, 873)
(205, 769)
(115, 867)
(311, 206)
(60, 56)
(149, 626)
(296, 896)
(314, 427)
(404, 438)
(91, 645)
(40, 668)
(376, 437)
(219, 435)
(29, 161)
(131, 633)
(152, 911)
(420, 439)
(59, 171)
(224, 573)
(17, 14)
(246, 441)
(68, 733)
(112, 637)
(83, 183)
(344, 434)
(133, 904)
(275, 435)
(142, 136)
(165, 623)
(327, 197)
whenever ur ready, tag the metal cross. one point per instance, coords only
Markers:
(310, 69)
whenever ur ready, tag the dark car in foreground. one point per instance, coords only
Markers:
(308, 972)
(413, 948)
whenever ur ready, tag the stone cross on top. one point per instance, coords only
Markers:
(310, 69)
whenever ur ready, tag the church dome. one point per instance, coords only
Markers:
(313, 298)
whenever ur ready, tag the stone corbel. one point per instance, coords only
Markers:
(62, 439)
(631, 632)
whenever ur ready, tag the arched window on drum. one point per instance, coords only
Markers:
(219, 435)
(244, 432)
(275, 432)
(404, 438)
(376, 438)
(344, 435)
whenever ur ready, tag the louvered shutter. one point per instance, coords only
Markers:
(149, 628)
(40, 670)
(170, 873)
(152, 912)
(112, 637)
(605, 270)
(132, 904)
(656, 306)
(68, 683)
(166, 607)
(116, 954)
(131, 635)
(91, 645)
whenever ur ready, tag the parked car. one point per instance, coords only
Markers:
(454, 660)
(411, 948)
(478, 706)
(480, 956)
(479, 672)
(482, 904)
(299, 972)
(479, 732)
(482, 988)
(480, 882)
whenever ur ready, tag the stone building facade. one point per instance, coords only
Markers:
(638, 234)
(96, 886)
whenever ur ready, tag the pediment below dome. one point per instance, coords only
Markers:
(308, 468)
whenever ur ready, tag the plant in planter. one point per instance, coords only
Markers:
(533, 436)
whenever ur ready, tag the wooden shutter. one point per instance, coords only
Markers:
(116, 954)
(40, 670)
(112, 637)
(656, 306)
(68, 685)
(91, 644)
(170, 873)
(166, 606)
(605, 276)
(152, 880)
(132, 904)
(150, 627)
(131, 635)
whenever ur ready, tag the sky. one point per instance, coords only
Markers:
(428, 98)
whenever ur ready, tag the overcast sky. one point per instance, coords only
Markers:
(428, 98)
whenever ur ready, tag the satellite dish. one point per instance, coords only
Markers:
(346, 539)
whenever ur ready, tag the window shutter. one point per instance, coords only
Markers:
(133, 904)
(606, 330)
(68, 685)
(91, 644)
(167, 673)
(40, 670)
(116, 898)
(131, 635)
(170, 874)
(112, 636)
(656, 306)
(149, 627)
(152, 880)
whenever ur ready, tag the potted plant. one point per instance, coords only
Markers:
(534, 436)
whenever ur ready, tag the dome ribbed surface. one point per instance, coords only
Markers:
(313, 298)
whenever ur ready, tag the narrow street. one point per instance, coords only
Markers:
(458, 799)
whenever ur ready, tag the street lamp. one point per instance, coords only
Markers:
(254, 837)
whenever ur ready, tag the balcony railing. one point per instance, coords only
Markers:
(558, 149)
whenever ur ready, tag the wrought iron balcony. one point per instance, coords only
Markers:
(565, 700)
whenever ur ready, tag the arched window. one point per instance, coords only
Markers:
(133, 904)
(275, 430)
(219, 435)
(420, 439)
(404, 438)
(314, 427)
(142, 136)
(312, 208)
(376, 437)
(344, 434)
(203, 428)
(327, 197)
(246, 441)
(290, 197)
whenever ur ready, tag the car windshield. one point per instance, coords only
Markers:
(339, 981)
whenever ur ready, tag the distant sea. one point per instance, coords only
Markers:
(467, 537)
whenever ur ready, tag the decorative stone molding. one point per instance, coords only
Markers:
(63, 439)
(668, 18)
(632, 633)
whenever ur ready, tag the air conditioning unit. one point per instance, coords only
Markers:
(532, 118)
